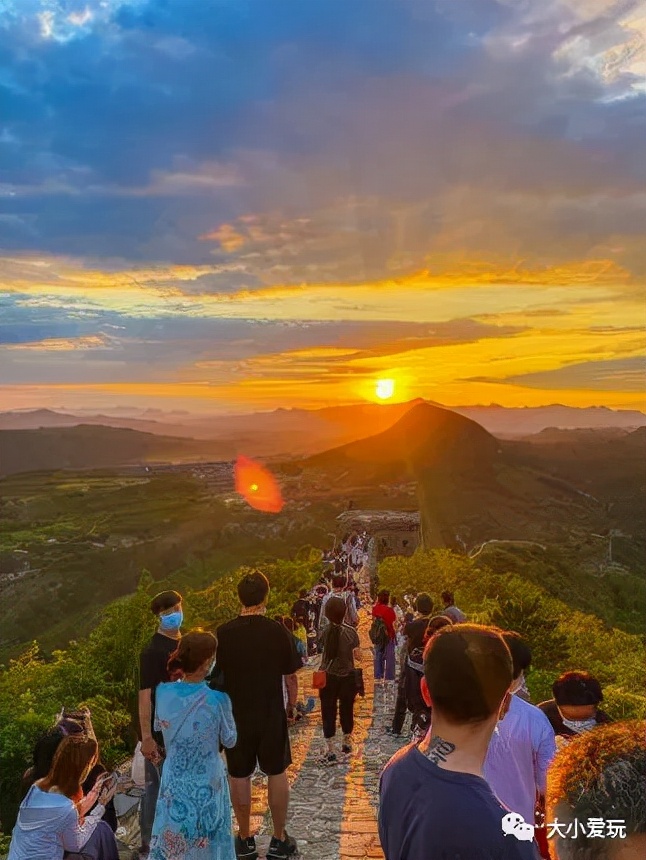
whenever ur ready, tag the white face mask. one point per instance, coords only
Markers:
(580, 726)
(517, 684)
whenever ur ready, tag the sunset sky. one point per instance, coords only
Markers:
(229, 205)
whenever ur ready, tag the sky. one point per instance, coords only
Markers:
(238, 205)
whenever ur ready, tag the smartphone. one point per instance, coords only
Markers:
(108, 781)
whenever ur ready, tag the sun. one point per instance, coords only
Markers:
(385, 388)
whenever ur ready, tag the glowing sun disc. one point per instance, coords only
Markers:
(385, 388)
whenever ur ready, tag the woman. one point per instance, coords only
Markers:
(52, 819)
(193, 813)
(45, 750)
(341, 652)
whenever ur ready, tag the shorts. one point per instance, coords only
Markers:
(262, 744)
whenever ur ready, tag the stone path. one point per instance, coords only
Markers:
(333, 810)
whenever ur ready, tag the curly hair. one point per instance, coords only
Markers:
(599, 774)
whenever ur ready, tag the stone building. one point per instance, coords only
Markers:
(391, 532)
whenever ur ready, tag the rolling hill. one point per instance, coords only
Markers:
(85, 447)
(472, 487)
(426, 437)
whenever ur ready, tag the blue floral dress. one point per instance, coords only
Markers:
(193, 813)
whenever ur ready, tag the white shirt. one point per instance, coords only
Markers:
(520, 751)
(48, 824)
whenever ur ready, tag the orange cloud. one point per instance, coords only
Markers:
(227, 236)
(60, 344)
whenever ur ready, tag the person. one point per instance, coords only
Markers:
(415, 630)
(45, 750)
(414, 672)
(399, 628)
(434, 802)
(153, 670)
(409, 698)
(339, 583)
(596, 794)
(312, 625)
(299, 609)
(341, 651)
(521, 748)
(451, 610)
(385, 650)
(399, 716)
(356, 553)
(574, 708)
(53, 817)
(253, 655)
(193, 813)
(291, 681)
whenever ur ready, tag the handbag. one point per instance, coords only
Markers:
(319, 679)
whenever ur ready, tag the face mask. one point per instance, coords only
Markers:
(579, 726)
(172, 621)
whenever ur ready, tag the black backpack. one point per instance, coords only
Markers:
(378, 633)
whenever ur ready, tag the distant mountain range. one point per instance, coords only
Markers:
(301, 432)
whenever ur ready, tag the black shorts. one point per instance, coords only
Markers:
(261, 743)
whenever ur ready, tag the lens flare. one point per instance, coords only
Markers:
(257, 486)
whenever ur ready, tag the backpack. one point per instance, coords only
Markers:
(378, 633)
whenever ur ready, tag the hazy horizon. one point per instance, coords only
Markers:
(235, 207)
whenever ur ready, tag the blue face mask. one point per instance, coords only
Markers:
(173, 621)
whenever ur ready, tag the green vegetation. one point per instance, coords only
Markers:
(85, 539)
(561, 637)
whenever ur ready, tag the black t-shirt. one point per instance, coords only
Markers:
(153, 670)
(414, 632)
(253, 654)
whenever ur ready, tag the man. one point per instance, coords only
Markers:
(596, 795)
(522, 746)
(153, 670)
(451, 610)
(384, 650)
(253, 655)
(339, 583)
(413, 632)
(574, 708)
(434, 801)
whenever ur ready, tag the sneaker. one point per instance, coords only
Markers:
(390, 731)
(246, 848)
(281, 849)
(328, 758)
(346, 749)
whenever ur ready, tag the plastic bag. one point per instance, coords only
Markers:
(138, 767)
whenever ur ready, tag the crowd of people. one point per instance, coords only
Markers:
(484, 775)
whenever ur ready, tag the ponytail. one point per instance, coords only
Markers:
(194, 649)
